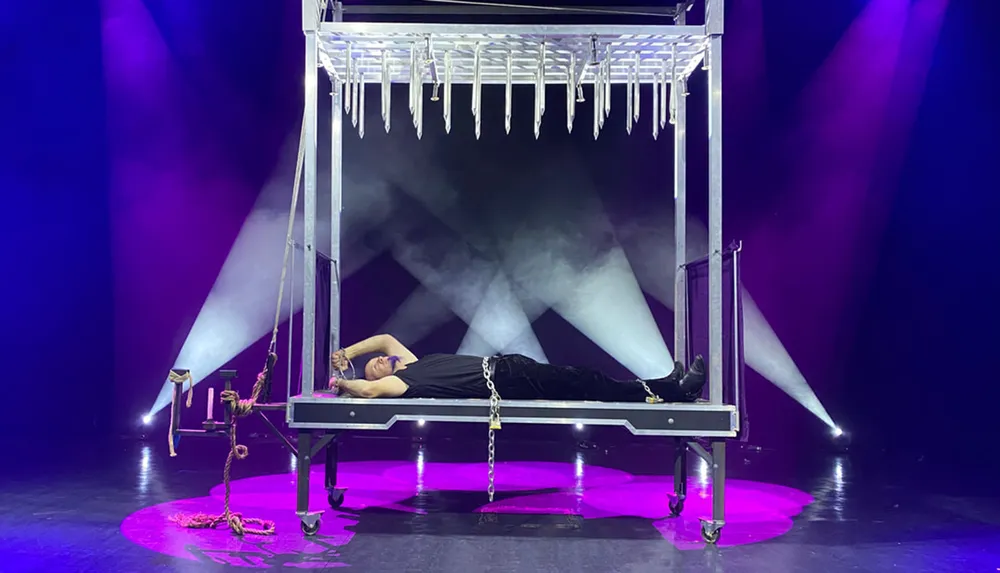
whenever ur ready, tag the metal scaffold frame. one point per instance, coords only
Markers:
(653, 61)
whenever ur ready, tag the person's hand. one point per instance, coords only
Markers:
(334, 384)
(339, 360)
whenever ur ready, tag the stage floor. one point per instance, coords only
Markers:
(420, 506)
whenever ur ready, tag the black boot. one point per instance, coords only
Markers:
(692, 383)
(668, 388)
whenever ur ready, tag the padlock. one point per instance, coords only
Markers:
(495, 423)
(653, 400)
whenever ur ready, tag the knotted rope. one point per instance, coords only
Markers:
(178, 379)
(235, 521)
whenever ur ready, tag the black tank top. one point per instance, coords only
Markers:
(445, 376)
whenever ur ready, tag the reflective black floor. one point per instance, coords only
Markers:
(422, 507)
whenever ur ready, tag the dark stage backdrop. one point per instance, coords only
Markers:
(885, 299)
(56, 341)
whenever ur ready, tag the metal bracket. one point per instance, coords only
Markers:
(702, 452)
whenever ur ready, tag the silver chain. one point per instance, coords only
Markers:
(652, 398)
(494, 419)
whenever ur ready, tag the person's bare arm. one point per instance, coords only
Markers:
(388, 387)
(384, 343)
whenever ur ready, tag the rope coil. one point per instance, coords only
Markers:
(236, 522)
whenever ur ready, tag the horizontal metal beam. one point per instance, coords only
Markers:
(577, 30)
(512, 10)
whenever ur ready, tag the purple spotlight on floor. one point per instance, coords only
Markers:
(755, 511)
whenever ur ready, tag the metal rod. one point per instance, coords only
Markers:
(303, 463)
(386, 91)
(539, 87)
(656, 107)
(541, 76)
(719, 483)
(606, 97)
(680, 231)
(636, 81)
(664, 95)
(715, 220)
(291, 309)
(413, 68)
(674, 92)
(277, 432)
(321, 443)
(309, 207)
(602, 92)
(420, 108)
(355, 87)
(737, 334)
(336, 208)
(509, 91)
(477, 88)
(570, 88)
(447, 92)
(629, 113)
(361, 107)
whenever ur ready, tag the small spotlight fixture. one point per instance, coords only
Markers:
(837, 431)
(147, 419)
(421, 422)
(579, 426)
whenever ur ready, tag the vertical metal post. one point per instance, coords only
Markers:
(303, 461)
(330, 469)
(680, 470)
(713, 24)
(309, 200)
(718, 484)
(336, 204)
(680, 217)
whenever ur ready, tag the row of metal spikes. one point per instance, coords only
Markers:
(664, 101)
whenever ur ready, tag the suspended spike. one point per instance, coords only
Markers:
(607, 82)
(447, 92)
(419, 104)
(663, 96)
(348, 80)
(355, 85)
(601, 94)
(476, 88)
(508, 91)
(570, 88)
(629, 101)
(361, 109)
(539, 90)
(656, 106)
(386, 91)
(637, 82)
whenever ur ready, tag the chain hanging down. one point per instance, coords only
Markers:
(494, 420)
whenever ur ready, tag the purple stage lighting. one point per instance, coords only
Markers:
(756, 511)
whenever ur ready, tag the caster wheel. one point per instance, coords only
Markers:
(676, 506)
(710, 537)
(310, 531)
(336, 498)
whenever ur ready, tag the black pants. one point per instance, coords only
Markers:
(518, 377)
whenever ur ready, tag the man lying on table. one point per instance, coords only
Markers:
(398, 373)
